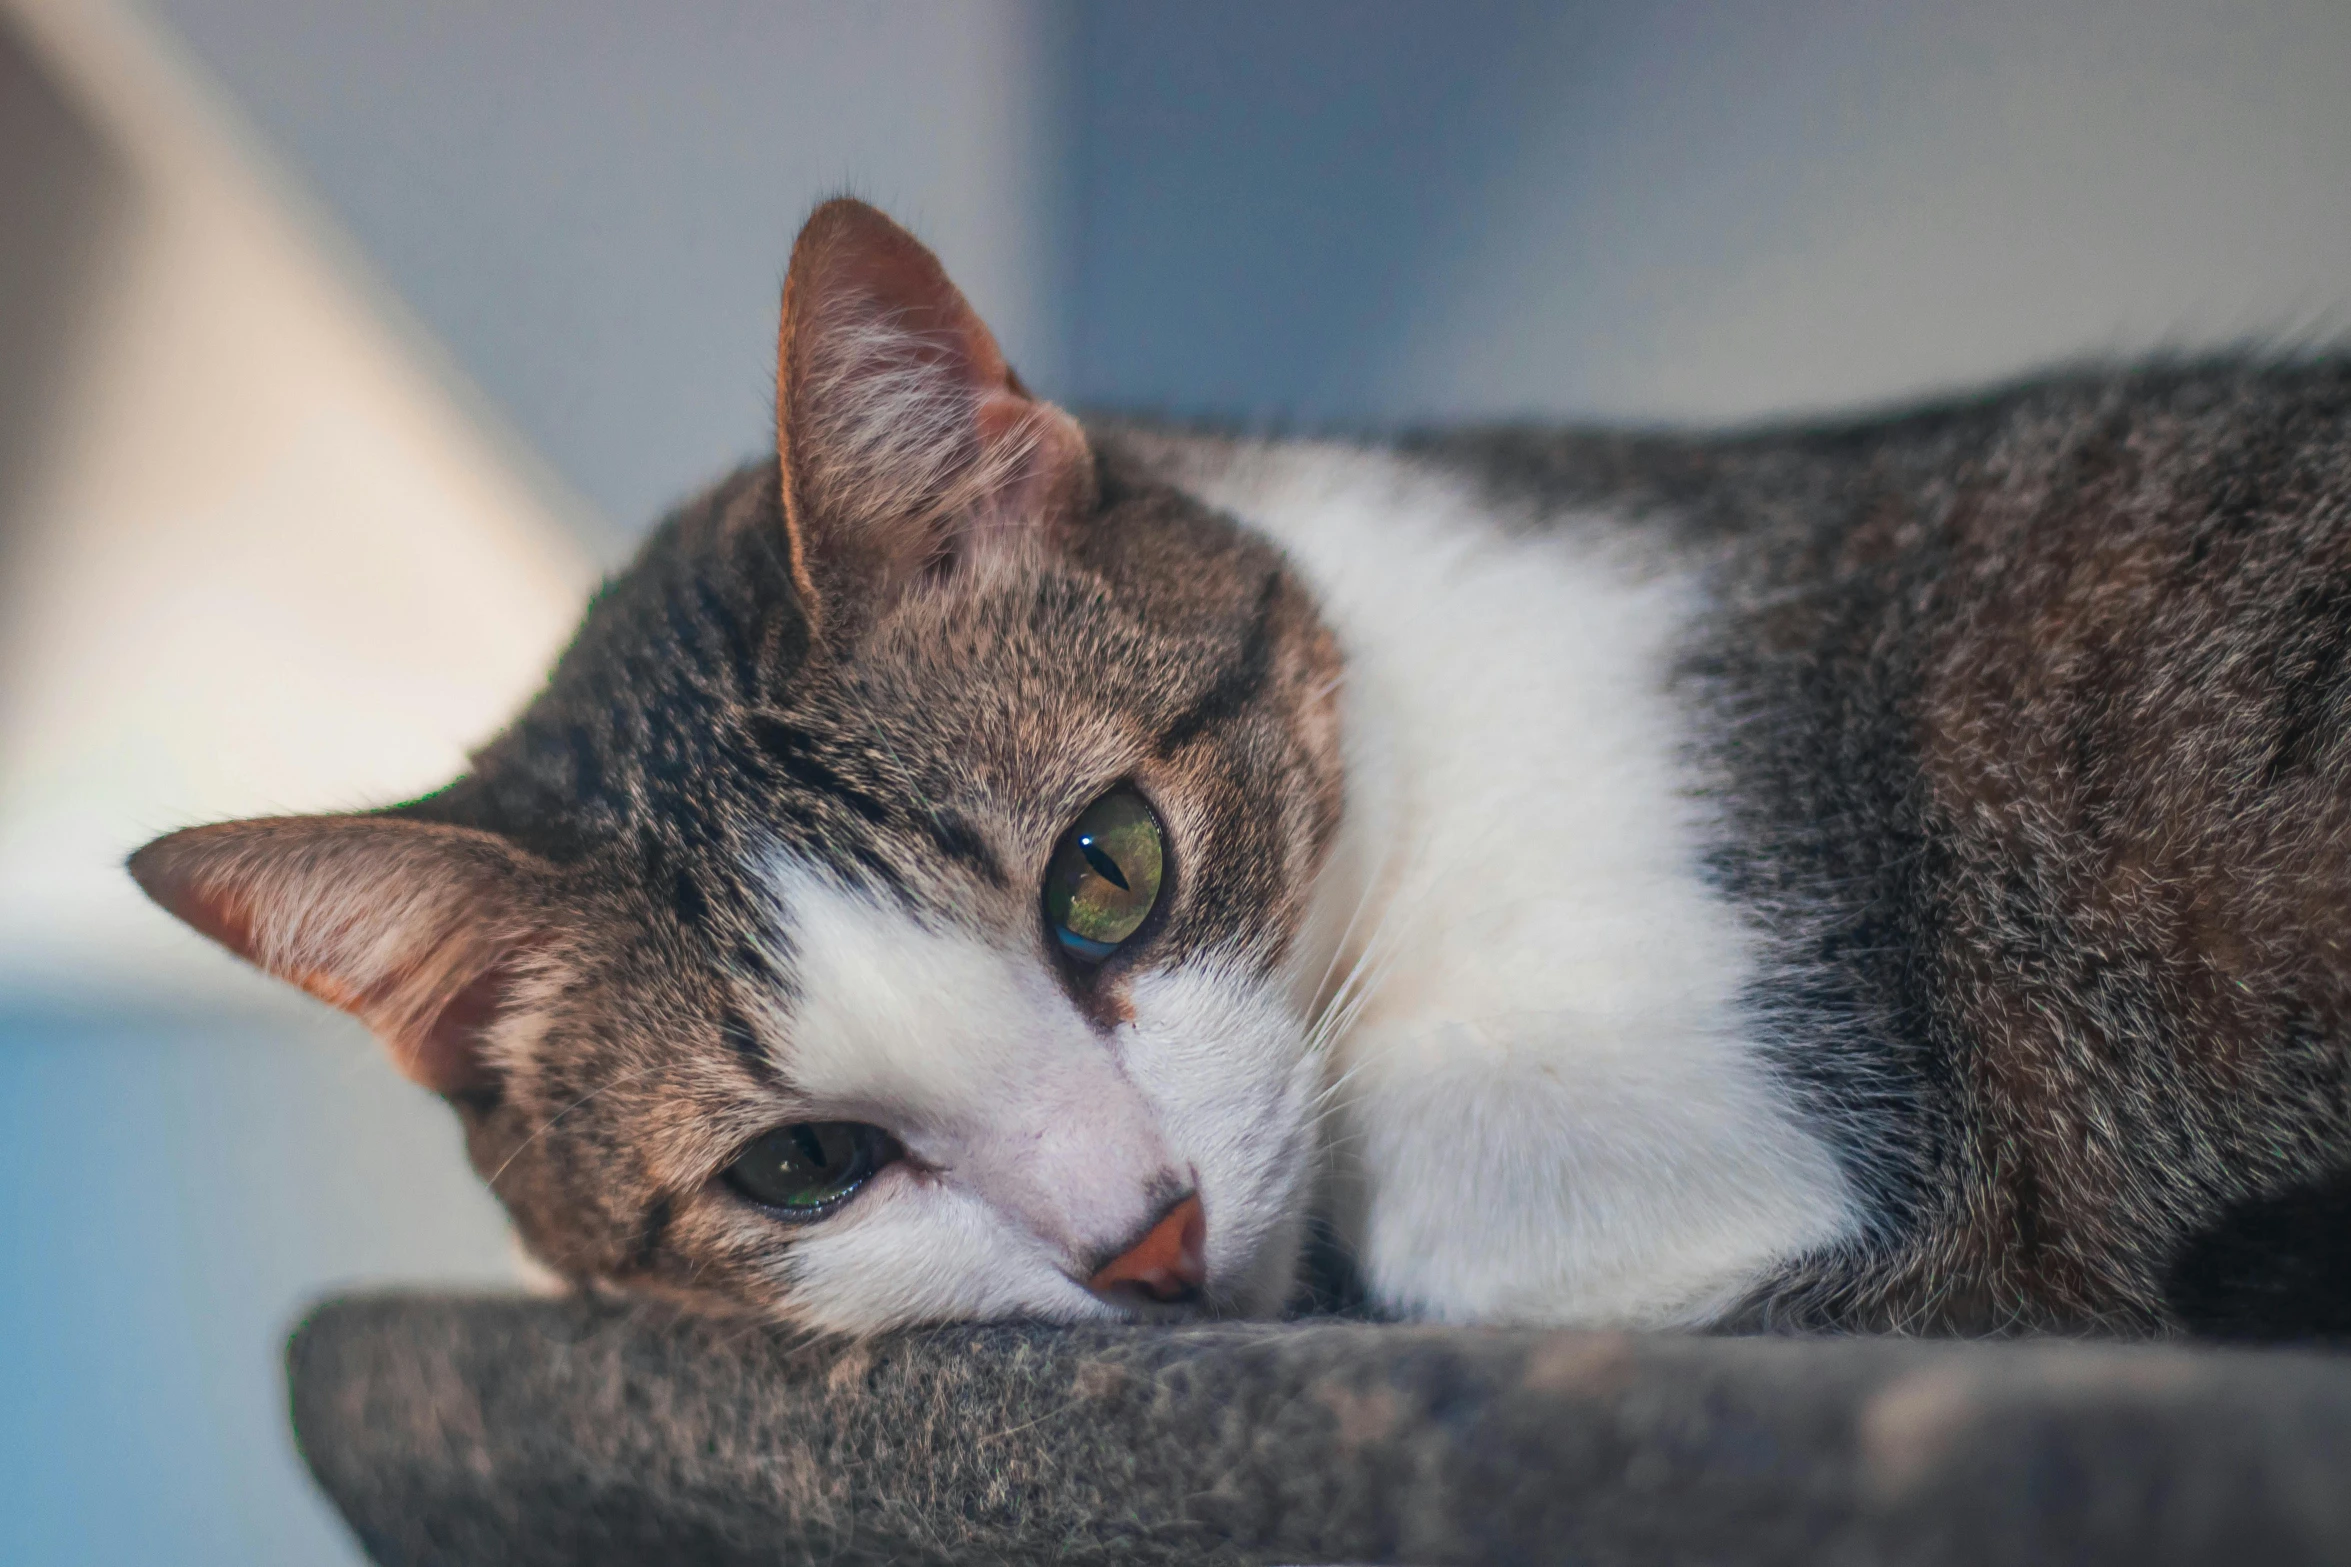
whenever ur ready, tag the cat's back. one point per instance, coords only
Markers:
(2038, 712)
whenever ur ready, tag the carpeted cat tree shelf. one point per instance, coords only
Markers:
(498, 1431)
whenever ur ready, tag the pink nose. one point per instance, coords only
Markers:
(1165, 1265)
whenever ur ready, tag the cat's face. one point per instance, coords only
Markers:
(888, 912)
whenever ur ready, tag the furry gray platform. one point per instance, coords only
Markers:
(474, 1430)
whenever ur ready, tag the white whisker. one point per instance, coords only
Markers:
(548, 1125)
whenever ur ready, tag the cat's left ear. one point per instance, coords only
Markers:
(419, 930)
(906, 444)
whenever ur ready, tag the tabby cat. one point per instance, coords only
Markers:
(1891, 875)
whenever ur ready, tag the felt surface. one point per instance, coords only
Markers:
(495, 1430)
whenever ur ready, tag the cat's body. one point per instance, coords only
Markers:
(2014, 735)
(1551, 1099)
(1879, 876)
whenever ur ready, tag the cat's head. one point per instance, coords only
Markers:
(885, 912)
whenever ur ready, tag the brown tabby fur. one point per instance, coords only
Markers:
(2035, 708)
(2031, 712)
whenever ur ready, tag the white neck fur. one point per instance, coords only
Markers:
(1548, 1103)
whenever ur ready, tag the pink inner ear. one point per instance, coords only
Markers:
(418, 938)
(904, 439)
(445, 1055)
(442, 1055)
(210, 908)
(1054, 480)
(852, 266)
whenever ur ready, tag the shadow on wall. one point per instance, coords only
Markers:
(68, 201)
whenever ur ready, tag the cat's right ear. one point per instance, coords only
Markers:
(419, 930)
(906, 446)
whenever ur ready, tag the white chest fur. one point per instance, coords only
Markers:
(1546, 1101)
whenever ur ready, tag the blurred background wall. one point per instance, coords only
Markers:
(1689, 209)
(341, 343)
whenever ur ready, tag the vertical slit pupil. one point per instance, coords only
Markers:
(1104, 866)
(1104, 876)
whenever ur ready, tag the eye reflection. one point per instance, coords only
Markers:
(1104, 876)
(807, 1169)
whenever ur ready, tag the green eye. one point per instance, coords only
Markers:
(1105, 876)
(807, 1169)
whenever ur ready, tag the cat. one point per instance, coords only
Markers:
(1880, 875)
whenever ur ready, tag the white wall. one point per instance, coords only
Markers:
(258, 558)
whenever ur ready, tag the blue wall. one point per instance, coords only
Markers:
(172, 1192)
(1260, 192)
